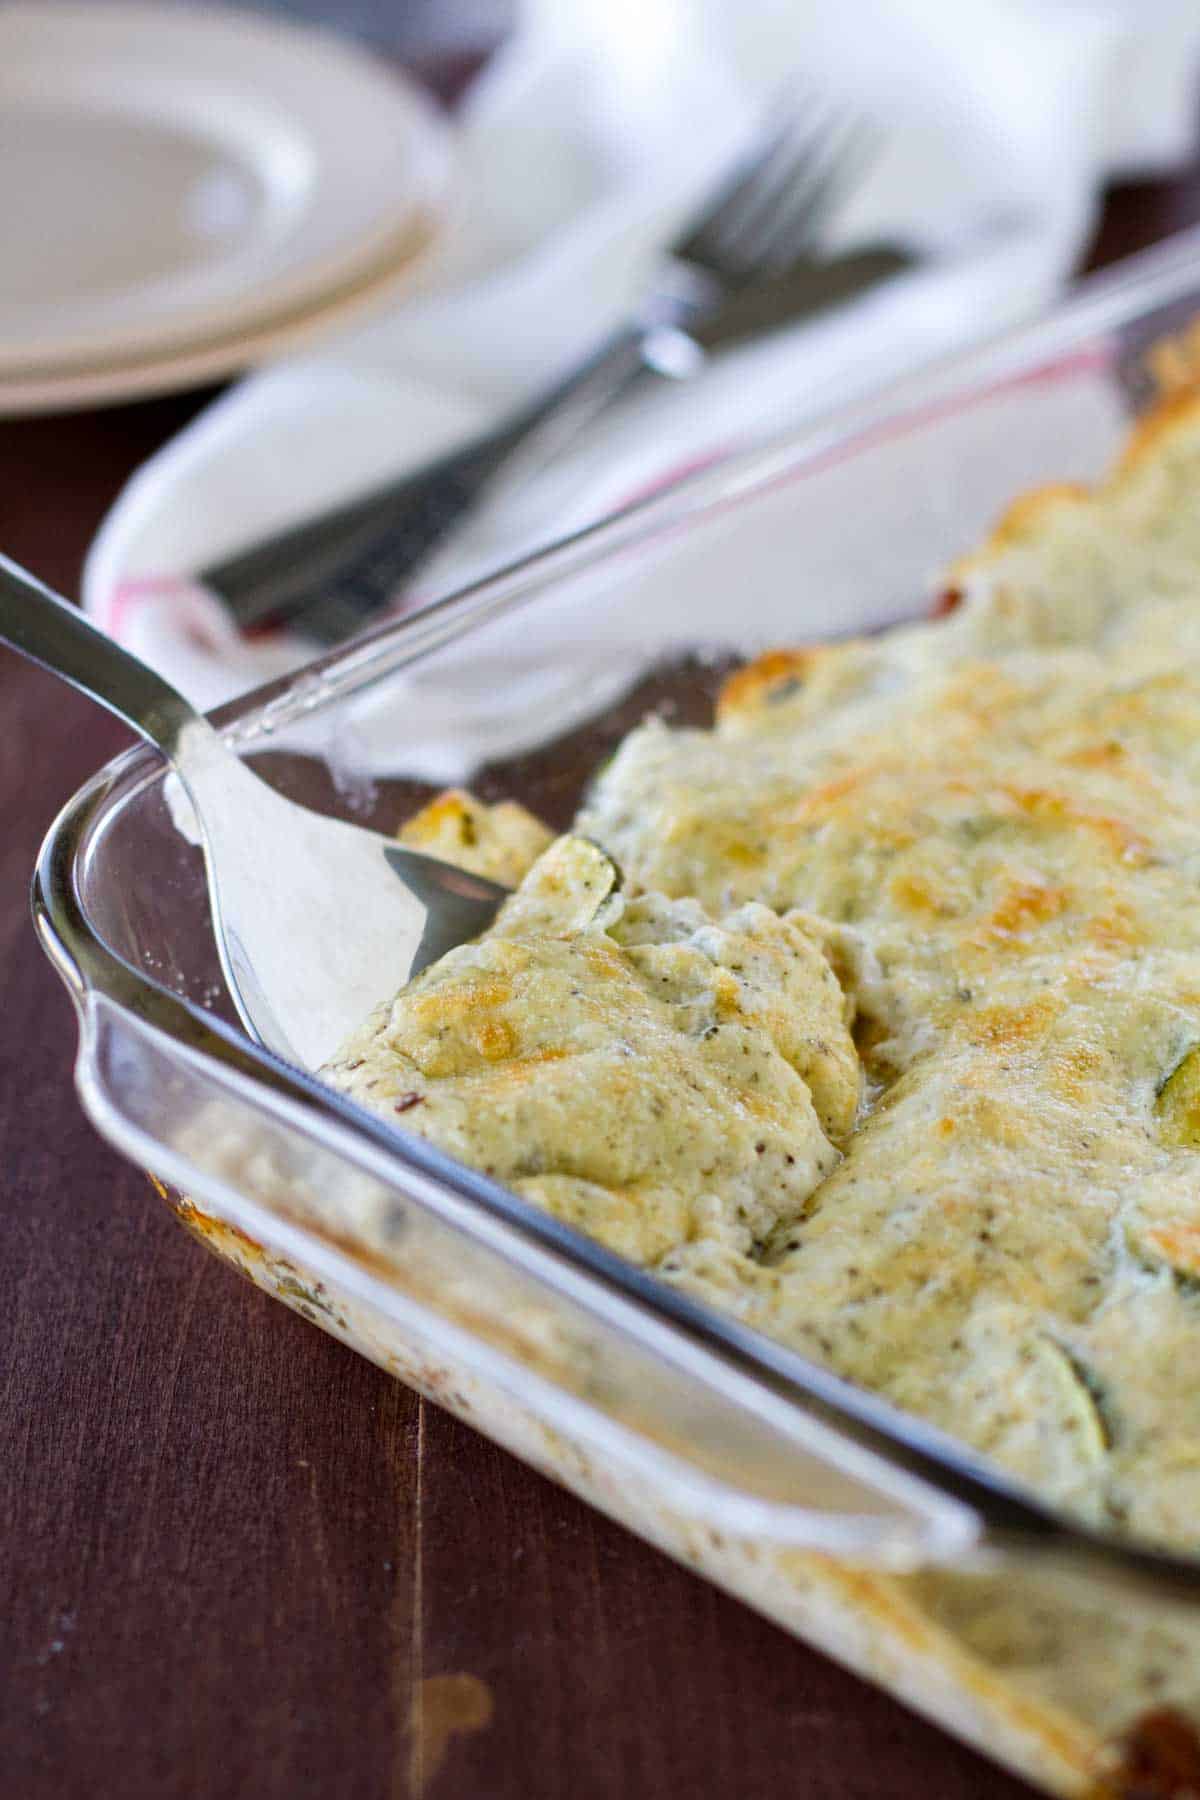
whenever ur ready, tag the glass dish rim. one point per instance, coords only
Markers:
(92, 969)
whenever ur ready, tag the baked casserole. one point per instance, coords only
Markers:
(872, 1014)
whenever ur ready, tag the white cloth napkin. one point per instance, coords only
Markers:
(586, 140)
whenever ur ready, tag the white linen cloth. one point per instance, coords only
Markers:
(589, 136)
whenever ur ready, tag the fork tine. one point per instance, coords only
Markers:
(795, 228)
(771, 207)
(795, 169)
(725, 201)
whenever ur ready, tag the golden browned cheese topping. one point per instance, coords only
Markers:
(998, 816)
(989, 826)
(499, 841)
(643, 1071)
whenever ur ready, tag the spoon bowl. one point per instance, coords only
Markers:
(316, 921)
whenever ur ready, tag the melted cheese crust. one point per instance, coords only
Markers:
(998, 816)
(989, 826)
(500, 842)
(643, 1071)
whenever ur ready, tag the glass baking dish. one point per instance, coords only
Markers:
(1072, 1657)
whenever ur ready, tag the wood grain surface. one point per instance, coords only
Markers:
(236, 1560)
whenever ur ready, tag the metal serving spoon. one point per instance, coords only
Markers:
(316, 920)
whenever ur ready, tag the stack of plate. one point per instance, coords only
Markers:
(185, 193)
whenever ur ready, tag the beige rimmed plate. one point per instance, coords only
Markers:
(175, 183)
(195, 365)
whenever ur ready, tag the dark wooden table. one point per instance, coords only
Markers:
(236, 1560)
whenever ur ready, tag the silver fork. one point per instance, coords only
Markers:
(743, 264)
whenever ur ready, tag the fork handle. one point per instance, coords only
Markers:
(330, 575)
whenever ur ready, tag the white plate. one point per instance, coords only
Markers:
(168, 177)
(203, 360)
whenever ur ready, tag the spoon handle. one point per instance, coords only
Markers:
(49, 630)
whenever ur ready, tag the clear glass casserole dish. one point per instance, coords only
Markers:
(1073, 1657)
